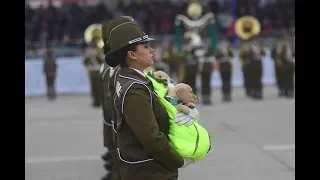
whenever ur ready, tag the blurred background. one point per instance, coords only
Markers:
(251, 139)
(62, 22)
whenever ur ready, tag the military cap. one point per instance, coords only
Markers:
(108, 25)
(125, 34)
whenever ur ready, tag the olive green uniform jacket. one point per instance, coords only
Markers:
(142, 129)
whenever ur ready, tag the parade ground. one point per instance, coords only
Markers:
(251, 140)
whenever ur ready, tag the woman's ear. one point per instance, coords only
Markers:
(131, 55)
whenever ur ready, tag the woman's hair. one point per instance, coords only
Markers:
(119, 57)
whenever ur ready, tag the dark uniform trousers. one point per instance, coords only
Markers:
(95, 87)
(190, 77)
(144, 150)
(110, 158)
(205, 73)
(50, 81)
(278, 79)
(255, 78)
(246, 83)
(205, 76)
(50, 70)
(226, 77)
(286, 78)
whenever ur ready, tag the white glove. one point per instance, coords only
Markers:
(182, 118)
(187, 119)
(187, 162)
(194, 113)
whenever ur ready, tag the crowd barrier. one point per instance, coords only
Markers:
(72, 77)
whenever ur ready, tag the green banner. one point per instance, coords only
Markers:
(213, 36)
(177, 29)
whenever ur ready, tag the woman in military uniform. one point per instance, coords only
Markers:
(141, 121)
(106, 85)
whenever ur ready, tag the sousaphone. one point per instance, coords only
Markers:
(94, 32)
(247, 27)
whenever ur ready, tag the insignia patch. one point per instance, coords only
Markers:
(118, 88)
(102, 68)
(111, 71)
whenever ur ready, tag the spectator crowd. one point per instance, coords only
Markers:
(69, 21)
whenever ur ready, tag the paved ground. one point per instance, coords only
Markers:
(251, 140)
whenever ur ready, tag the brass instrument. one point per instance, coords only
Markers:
(193, 24)
(93, 34)
(247, 27)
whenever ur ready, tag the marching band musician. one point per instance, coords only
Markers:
(224, 55)
(198, 59)
(93, 60)
(250, 55)
(283, 55)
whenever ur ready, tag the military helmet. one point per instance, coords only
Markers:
(125, 34)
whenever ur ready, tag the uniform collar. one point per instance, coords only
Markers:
(138, 71)
(134, 74)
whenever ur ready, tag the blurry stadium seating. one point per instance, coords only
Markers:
(61, 25)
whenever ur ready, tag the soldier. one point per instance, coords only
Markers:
(224, 55)
(250, 52)
(283, 55)
(50, 71)
(107, 85)
(141, 128)
(198, 59)
(93, 59)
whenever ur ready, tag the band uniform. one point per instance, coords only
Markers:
(224, 55)
(283, 55)
(250, 56)
(93, 60)
(199, 59)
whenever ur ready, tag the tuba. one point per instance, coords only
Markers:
(247, 27)
(93, 34)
